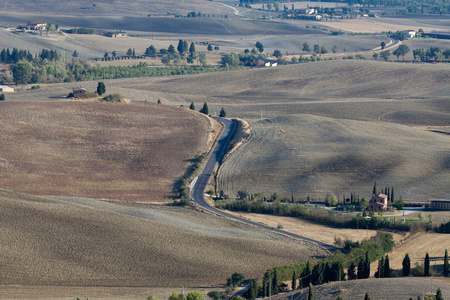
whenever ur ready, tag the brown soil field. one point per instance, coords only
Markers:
(83, 242)
(384, 288)
(311, 229)
(131, 152)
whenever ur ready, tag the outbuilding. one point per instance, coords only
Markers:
(6, 89)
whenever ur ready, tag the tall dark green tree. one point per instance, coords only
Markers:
(210, 47)
(446, 263)
(406, 265)
(2, 97)
(427, 265)
(171, 49)
(310, 293)
(259, 46)
(392, 195)
(367, 297)
(275, 283)
(367, 265)
(205, 109)
(252, 291)
(306, 47)
(192, 106)
(306, 275)
(351, 273)
(380, 270)
(294, 281)
(150, 51)
(192, 48)
(222, 113)
(101, 89)
(387, 267)
(22, 72)
(374, 190)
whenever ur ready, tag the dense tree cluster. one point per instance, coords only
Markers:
(80, 30)
(12, 57)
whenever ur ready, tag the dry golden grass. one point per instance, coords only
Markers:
(131, 152)
(417, 246)
(311, 229)
(82, 242)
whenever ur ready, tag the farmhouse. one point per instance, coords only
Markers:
(409, 34)
(116, 34)
(378, 202)
(440, 204)
(6, 89)
(306, 11)
(79, 92)
(36, 25)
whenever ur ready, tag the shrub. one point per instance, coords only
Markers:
(114, 98)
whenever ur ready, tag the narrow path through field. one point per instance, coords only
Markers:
(200, 183)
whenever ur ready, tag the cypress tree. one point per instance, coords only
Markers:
(367, 265)
(374, 191)
(275, 283)
(310, 293)
(351, 274)
(446, 263)
(392, 195)
(427, 265)
(387, 269)
(361, 271)
(380, 271)
(192, 106)
(367, 297)
(306, 272)
(205, 109)
(406, 265)
(294, 281)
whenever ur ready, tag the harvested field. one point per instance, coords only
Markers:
(131, 152)
(385, 24)
(109, 8)
(213, 25)
(311, 156)
(83, 242)
(313, 230)
(417, 246)
(384, 288)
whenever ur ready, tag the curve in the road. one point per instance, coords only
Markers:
(198, 187)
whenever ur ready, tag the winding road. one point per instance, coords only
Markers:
(199, 184)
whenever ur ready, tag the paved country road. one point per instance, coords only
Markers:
(199, 184)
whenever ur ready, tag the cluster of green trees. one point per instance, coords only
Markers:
(357, 261)
(80, 31)
(194, 14)
(25, 72)
(12, 57)
(175, 296)
(422, 270)
(431, 54)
